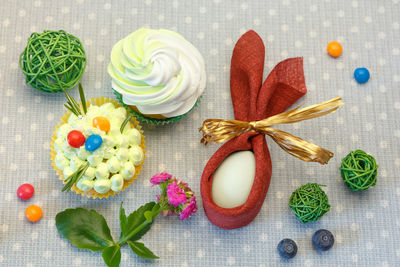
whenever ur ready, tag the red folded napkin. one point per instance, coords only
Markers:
(252, 100)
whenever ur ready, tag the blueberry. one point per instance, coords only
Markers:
(323, 240)
(287, 248)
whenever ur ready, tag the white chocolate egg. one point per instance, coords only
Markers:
(233, 179)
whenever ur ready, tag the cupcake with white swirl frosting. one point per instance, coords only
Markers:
(157, 73)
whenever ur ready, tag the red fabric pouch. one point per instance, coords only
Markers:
(252, 100)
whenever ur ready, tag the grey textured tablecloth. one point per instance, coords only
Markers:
(366, 224)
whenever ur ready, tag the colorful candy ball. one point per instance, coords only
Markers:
(33, 213)
(93, 142)
(25, 191)
(361, 75)
(101, 123)
(334, 49)
(76, 139)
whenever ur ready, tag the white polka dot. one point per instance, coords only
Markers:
(369, 245)
(92, 16)
(354, 109)
(5, 120)
(397, 133)
(339, 148)
(310, 171)
(22, 13)
(369, 126)
(339, 208)
(256, 22)
(383, 144)
(37, 99)
(384, 233)
(230, 260)
(270, 38)
(200, 253)
(298, 44)
(354, 55)
(381, 35)
(339, 66)
(187, 234)
(100, 58)
(279, 225)
(395, 25)
(175, 4)
(284, 54)
(354, 4)
(2, 49)
(340, 13)
(354, 137)
(325, 131)
(107, 6)
(326, 23)
(295, 182)
(213, 51)
(396, 78)
(215, 26)
(354, 227)
(76, 26)
(228, 41)
(161, 17)
(286, 2)
(65, 10)
(4, 228)
(178, 155)
(200, 35)
(312, 60)
(229, 16)
(202, 10)
(382, 88)
(188, 20)
(299, 18)
(18, 138)
(381, 9)
(311, 86)
(247, 248)
(46, 146)
(6, 22)
(88, 42)
(368, 19)
(119, 21)
(147, 2)
(50, 116)
(312, 34)
(242, 30)
(397, 162)
(280, 164)
(16, 247)
(272, 12)
(77, 261)
(313, 8)
(354, 29)
(47, 254)
(354, 258)
(225, 95)
(279, 194)
(103, 31)
(161, 166)
(244, 6)
(285, 27)
(325, 76)
(368, 45)
(33, 127)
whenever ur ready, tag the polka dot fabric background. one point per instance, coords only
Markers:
(366, 224)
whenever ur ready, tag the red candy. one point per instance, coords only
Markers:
(76, 139)
(25, 191)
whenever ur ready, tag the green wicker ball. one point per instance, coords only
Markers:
(359, 170)
(53, 61)
(309, 202)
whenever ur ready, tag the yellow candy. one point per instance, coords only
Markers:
(101, 123)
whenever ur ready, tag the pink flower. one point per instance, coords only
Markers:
(190, 209)
(176, 195)
(160, 178)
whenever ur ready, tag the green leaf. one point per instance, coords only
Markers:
(122, 218)
(148, 215)
(136, 218)
(141, 250)
(83, 100)
(112, 256)
(124, 123)
(84, 228)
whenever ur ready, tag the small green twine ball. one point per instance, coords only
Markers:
(309, 202)
(359, 170)
(53, 61)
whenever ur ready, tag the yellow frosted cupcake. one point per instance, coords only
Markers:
(98, 149)
(157, 73)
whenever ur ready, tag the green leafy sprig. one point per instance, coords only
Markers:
(87, 229)
(73, 106)
(124, 123)
(75, 177)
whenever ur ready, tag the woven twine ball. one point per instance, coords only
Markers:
(52, 61)
(309, 202)
(359, 170)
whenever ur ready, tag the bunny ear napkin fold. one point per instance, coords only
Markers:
(257, 106)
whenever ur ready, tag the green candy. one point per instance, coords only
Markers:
(359, 170)
(309, 202)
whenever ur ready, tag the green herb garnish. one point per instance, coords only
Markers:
(75, 177)
(125, 122)
(73, 106)
(87, 229)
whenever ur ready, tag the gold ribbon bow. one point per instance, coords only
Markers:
(218, 131)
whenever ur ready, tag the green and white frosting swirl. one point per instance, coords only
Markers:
(158, 71)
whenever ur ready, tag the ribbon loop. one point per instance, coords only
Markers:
(218, 130)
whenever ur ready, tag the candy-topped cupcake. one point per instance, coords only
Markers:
(158, 74)
(97, 150)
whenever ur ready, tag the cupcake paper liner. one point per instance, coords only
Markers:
(149, 120)
(92, 193)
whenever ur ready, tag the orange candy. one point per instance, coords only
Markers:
(101, 123)
(33, 213)
(334, 49)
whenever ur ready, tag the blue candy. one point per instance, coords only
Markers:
(361, 75)
(93, 142)
(323, 240)
(287, 248)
